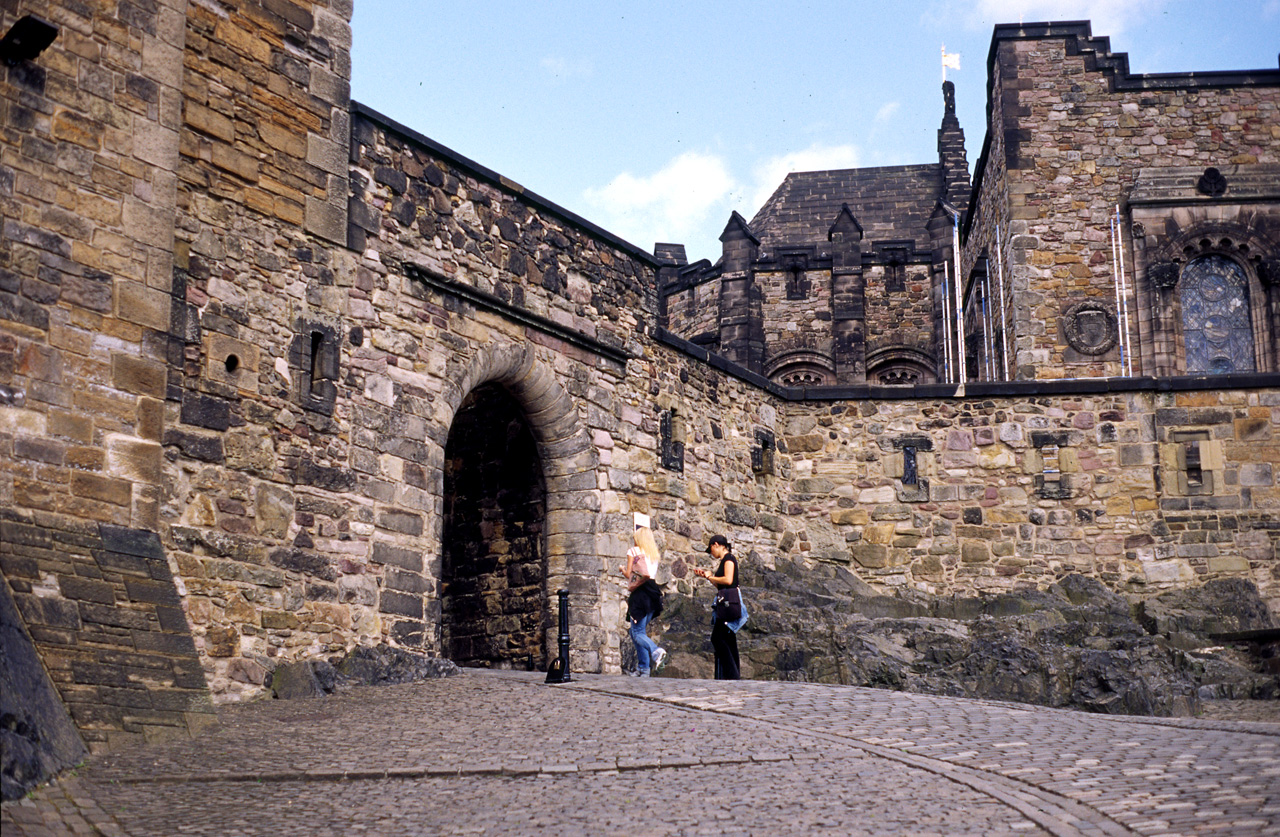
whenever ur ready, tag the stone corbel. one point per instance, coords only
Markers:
(1269, 273)
(1164, 276)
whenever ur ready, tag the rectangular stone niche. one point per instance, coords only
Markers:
(315, 358)
(671, 430)
(912, 488)
(1195, 461)
(1051, 483)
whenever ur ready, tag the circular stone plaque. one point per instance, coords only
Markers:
(1091, 328)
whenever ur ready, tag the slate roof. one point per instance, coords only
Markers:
(890, 202)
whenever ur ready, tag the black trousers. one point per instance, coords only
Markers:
(725, 644)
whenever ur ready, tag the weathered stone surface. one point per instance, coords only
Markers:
(1223, 605)
(173, 270)
(204, 411)
(38, 739)
(383, 664)
(303, 679)
(1075, 645)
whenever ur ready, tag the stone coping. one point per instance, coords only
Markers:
(485, 173)
(481, 299)
(973, 389)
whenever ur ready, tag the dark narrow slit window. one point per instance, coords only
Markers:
(909, 470)
(1195, 476)
(671, 430)
(762, 453)
(317, 364)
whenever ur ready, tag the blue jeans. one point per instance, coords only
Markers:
(644, 646)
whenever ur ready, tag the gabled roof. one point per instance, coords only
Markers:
(890, 203)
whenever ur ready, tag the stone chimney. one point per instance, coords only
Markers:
(741, 305)
(848, 298)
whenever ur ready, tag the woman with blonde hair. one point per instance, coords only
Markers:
(644, 600)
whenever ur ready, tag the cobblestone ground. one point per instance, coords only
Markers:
(502, 753)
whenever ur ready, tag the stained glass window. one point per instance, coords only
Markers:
(1215, 317)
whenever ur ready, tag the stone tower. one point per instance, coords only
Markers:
(838, 278)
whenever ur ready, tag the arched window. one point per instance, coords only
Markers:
(1216, 330)
(801, 375)
(899, 366)
(801, 367)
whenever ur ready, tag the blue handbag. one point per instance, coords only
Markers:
(740, 621)
(730, 609)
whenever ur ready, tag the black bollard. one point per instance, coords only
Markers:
(559, 670)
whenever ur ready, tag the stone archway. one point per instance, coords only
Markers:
(521, 397)
(493, 547)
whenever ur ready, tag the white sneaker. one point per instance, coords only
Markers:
(659, 659)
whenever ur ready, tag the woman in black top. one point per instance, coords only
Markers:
(725, 578)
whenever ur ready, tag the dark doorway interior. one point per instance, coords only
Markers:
(493, 598)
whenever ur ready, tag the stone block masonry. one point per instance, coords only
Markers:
(105, 614)
(1073, 136)
(1003, 491)
(253, 336)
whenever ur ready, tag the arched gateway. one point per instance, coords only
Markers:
(492, 599)
(518, 516)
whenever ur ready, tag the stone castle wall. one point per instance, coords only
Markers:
(900, 311)
(308, 510)
(252, 442)
(796, 321)
(1016, 490)
(233, 353)
(1008, 489)
(88, 184)
(1071, 132)
(694, 310)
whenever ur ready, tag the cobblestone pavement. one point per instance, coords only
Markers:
(502, 753)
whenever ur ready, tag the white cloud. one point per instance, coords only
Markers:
(884, 116)
(887, 111)
(768, 174)
(688, 201)
(670, 205)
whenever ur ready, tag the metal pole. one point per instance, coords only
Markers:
(986, 326)
(559, 671)
(1124, 293)
(946, 325)
(961, 361)
(1004, 326)
(1115, 276)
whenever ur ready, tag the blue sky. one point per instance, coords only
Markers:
(657, 119)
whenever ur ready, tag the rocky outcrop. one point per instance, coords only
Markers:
(1076, 644)
(37, 737)
(381, 665)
